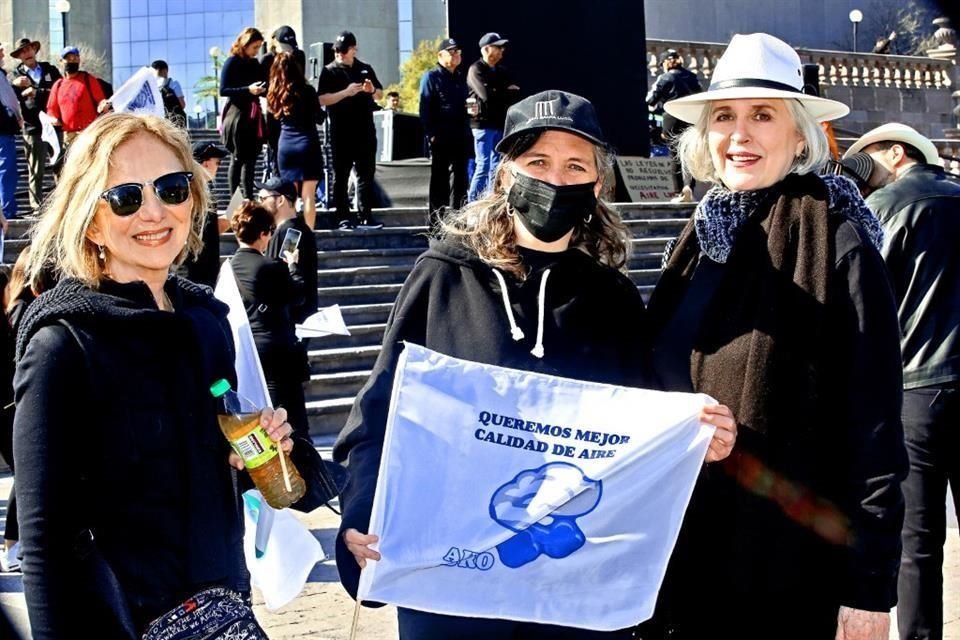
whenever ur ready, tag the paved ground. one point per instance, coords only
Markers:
(323, 611)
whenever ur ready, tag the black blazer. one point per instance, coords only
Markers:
(270, 290)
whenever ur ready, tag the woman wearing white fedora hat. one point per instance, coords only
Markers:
(774, 300)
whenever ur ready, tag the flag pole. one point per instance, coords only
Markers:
(356, 620)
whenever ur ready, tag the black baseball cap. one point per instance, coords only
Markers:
(669, 54)
(344, 41)
(494, 39)
(557, 110)
(280, 186)
(204, 150)
(285, 35)
(447, 44)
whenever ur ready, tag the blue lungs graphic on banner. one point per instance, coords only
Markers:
(565, 490)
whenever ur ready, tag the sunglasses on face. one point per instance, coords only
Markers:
(126, 199)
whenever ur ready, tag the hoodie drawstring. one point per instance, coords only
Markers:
(515, 331)
(541, 303)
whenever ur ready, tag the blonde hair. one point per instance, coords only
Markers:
(59, 239)
(486, 225)
(694, 151)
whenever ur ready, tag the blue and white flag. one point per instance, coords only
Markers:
(522, 496)
(139, 94)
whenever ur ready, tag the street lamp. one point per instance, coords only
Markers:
(856, 16)
(63, 6)
(215, 54)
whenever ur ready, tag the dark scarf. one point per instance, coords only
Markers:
(758, 344)
(721, 214)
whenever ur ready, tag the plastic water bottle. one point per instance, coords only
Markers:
(270, 468)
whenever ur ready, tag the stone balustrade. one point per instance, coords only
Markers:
(918, 91)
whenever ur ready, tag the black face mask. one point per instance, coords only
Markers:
(549, 211)
(71, 67)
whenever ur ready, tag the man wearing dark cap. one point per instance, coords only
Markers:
(674, 82)
(206, 266)
(348, 87)
(284, 39)
(443, 112)
(492, 90)
(278, 197)
(32, 80)
(75, 99)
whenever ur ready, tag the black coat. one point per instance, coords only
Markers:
(452, 303)
(919, 214)
(306, 266)
(270, 289)
(805, 515)
(116, 433)
(32, 106)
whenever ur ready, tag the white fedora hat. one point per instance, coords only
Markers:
(756, 66)
(896, 132)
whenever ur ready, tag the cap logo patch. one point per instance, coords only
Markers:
(544, 109)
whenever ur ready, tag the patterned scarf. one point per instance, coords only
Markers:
(722, 213)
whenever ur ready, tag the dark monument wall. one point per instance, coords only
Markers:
(592, 48)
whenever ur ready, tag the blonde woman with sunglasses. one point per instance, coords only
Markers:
(127, 504)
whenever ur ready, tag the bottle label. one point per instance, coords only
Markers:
(256, 448)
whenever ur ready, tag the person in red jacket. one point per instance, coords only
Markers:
(76, 99)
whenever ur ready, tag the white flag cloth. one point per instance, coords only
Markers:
(139, 94)
(251, 382)
(48, 134)
(280, 551)
(326, 321)
(515, 495)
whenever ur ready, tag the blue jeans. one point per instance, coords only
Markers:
(8, 176)
(484, 145)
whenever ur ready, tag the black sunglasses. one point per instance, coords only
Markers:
(126, 199)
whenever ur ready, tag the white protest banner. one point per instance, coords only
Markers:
(139, 94)
(251, 383)
(648, 178)
(48, 134)
(326, 321)
(522, 496)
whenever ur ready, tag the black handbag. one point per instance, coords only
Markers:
(216, 612)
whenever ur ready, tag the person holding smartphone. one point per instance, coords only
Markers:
(277, 196)
(242, 82)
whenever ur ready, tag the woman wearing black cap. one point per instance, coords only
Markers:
(530, 278)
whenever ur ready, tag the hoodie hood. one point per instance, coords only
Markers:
(75, 301)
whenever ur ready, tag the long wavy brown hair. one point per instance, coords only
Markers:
(286, 81)
(248, 35)
(486, 226)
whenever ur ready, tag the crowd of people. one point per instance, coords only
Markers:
(824, 325)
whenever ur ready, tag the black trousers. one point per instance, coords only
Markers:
(931, 426)
(241, 174)
(448, 157)
(353, 151)
(419, 625)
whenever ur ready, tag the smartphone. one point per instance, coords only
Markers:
(290, 242)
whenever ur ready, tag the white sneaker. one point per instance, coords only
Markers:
(8, 559)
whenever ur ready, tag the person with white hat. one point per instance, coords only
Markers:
(917, 205)
(774, 301)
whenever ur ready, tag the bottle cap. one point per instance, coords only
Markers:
(219, 387)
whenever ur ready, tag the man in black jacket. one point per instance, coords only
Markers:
(492, 90)
(443, 112)
(32, 80)
(674, 82)
(919, 208)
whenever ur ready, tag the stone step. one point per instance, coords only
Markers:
(658, 227)
(386, 238)
(12, 249)
(658, 210)
(360, 335)
(339, 384)
(643, 277)
(327, 417)
(358, 294)
(368, 275)
(337, 259)
(366, 313)
(324, 360)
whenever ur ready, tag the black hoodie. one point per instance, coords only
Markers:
(454, 303)
(115, 432)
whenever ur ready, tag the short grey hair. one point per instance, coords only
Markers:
(693, 150)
